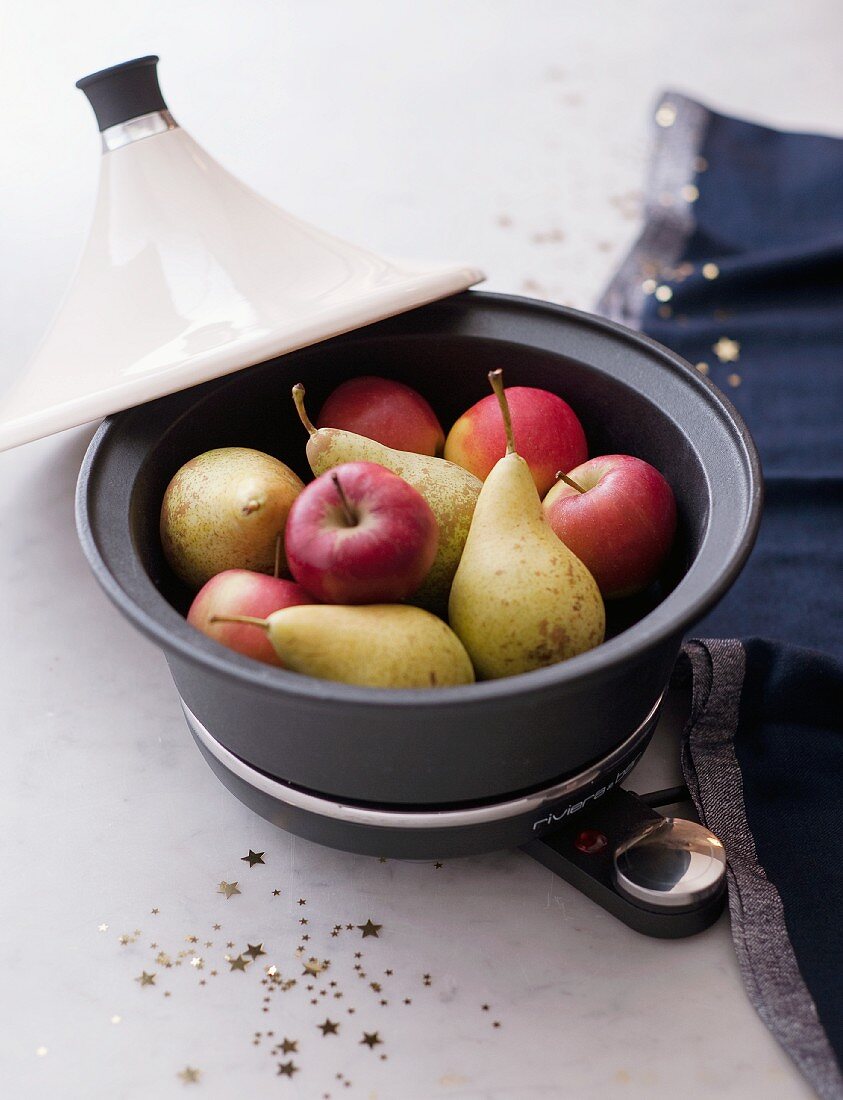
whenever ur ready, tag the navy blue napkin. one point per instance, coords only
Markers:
(739, 268)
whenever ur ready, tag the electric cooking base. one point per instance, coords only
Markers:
(662, 876)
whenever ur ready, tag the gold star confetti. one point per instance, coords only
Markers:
(426, 979)
(103, 928)
(734, 380)
(254, 950)
(289, 1046)
(155, 912)
(41, 1051)
(116, 1019)
(328, 1028)
(287, 1069)
(145, 979)
(726, 350)
(710, 271)
(253, 857)
(690, 192)
(370, 928)
(228, 888)
(240, 963)
(371, 1039)
(702, 367)
(437, 866)
(302, 901)
(198, 963)
(666, 115)
(313, 967)
(663, 293)
(189, 1075)
(191, 939)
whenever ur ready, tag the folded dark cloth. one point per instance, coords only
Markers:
(739, 268)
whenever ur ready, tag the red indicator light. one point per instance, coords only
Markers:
(590, 841)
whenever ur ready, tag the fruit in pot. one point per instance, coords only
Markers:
(618, 515)
(548, 435)
(384, 410)
(223, 510)
(378, 645)
(520, 600)
(243, 592)
(450, 491)
(360, 534)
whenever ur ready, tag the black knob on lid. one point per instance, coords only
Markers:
(124, 91)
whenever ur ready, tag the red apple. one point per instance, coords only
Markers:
(547, 434)
(242, 592)
(360, 534)
(389, 412)
(621, 526)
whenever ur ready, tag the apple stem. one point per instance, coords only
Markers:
(569, 481)
(298, 398)
(350, 518)
(277, 568)
(496, 382)
(249, 620)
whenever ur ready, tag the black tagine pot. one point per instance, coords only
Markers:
(460, 769)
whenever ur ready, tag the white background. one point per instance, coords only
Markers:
(513, 135)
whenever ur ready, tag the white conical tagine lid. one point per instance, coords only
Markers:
(188, 275)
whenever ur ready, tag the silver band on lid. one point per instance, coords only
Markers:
(136, 129)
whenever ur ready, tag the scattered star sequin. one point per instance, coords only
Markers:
(240, 963)
(727, 350)
(329, 1027)
(228, 888)
(276, 893)
(287, 1069)
(189, 1075)
(289, 1046)
(103, 928)
(145, 979)
(254, 950)
(666, 115)
(41, 1051)
(253, 858)
(371, 1039)
(370, 928)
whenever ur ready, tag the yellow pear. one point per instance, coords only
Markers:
(225, 509)
(374, 645)
(520, 599)
(450, 491)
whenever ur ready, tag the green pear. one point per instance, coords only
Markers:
(450, 491)
(225, 509)
(374, 645)
(520, 599)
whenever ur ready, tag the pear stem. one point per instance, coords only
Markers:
(249, 620)
(348, 512)
(496, 382)
(298, 398)
(277, 568)
(569, 481)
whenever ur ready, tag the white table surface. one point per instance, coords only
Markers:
(513, 135)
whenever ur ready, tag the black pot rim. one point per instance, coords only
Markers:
(679, 610)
